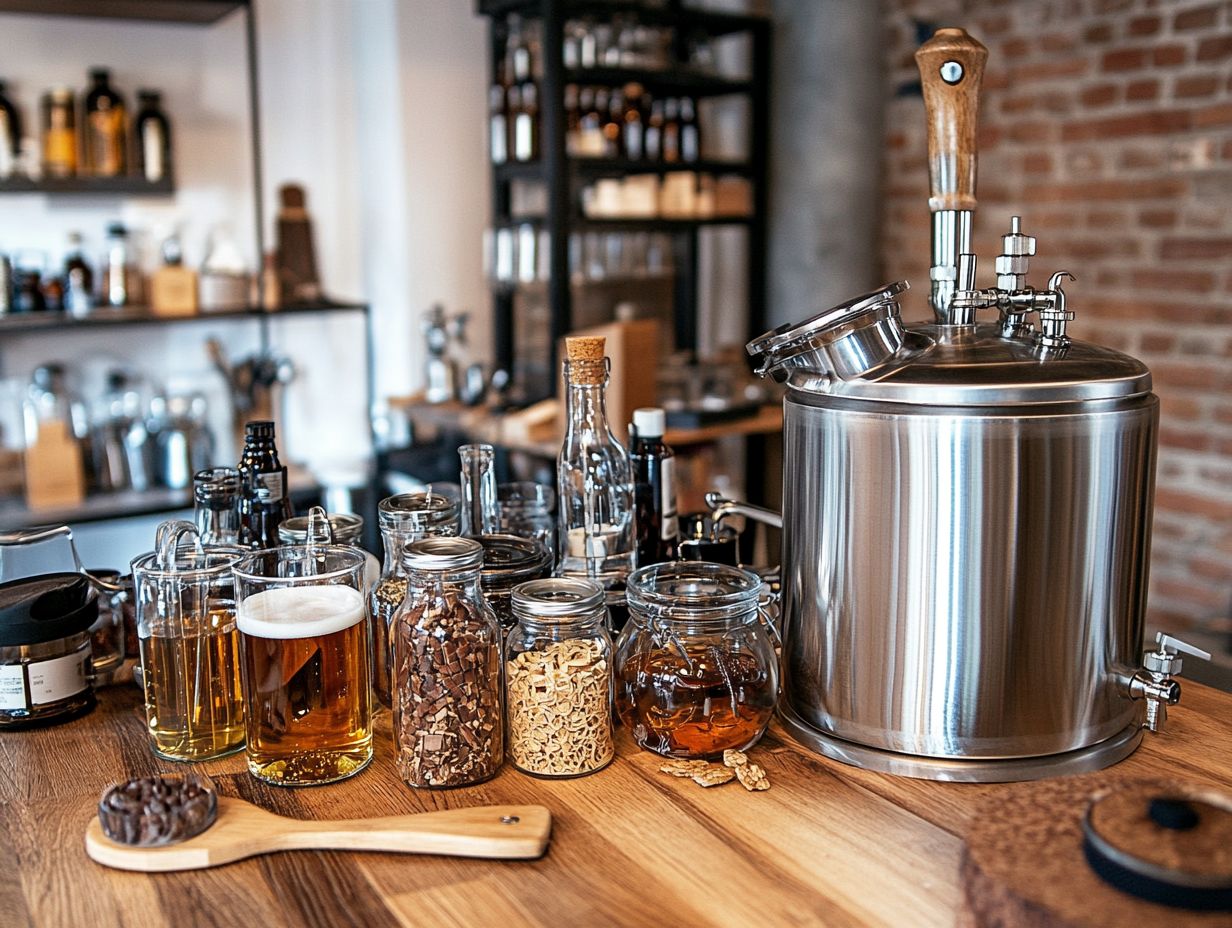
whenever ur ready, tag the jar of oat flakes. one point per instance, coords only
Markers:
(448, 714)
(558, 679)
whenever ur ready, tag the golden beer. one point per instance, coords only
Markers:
(307, 691)
(193, 699)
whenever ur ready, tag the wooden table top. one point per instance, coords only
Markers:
(828, 844)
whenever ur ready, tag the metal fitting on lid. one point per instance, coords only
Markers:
(346, 527)
(558, 599)
(439, 554)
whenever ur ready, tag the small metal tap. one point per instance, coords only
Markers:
(1155, 682)
(722, 508)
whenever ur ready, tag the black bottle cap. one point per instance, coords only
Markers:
(259, 428)
(45, 608)
(149, 96)
(117, 229)
(100, 75)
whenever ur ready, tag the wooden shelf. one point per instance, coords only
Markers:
(26, 323)
(90, 186)
(588, 168)
(187, 12)
(675, 82)
(596, 224)
(704, 21)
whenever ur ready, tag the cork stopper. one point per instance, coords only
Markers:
(586, 358)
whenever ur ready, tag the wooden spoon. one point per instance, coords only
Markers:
(245, 830)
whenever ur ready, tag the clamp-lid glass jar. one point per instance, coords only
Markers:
(403, 519)
(696, 672)
(45, 649)
(507, 561)
(558, 679)
(448, 713)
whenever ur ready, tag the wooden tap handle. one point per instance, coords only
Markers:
(951, 68)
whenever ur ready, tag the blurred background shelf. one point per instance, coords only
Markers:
(188, 12)
(90, 186)
(25, 323)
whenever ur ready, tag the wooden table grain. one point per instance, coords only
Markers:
(827, 845)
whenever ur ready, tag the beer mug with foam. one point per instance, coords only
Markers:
(302, 617)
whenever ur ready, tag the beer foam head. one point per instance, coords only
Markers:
(300, 611)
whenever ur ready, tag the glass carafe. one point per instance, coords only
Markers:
(190, 668)
(404, 518)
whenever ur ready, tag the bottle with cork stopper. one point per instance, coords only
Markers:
(594, 481)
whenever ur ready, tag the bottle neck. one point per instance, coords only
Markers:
(587, 395)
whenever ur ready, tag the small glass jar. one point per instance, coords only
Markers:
(448, 712)
(45, 661)
(346, 528)
(403, 519)
(558, 679)
(508, 561)
(108, 644)
(525, 509)
(696, 671)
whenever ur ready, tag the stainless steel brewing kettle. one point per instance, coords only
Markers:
(967, 509)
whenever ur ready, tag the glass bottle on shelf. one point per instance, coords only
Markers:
(152, 137)
(10, 135)
(573, 120)
(216, 504)
(119, 276)
(654, 488)
(59, 133)
(526, 125)
(105, 127)
(78, 279)
(264, 500)
(653, 140)
(498, 131)
(631, 130)
(594, 481)
(690, 133)
(613, 125)
(671, 130)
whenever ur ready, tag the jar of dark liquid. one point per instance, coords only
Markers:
(696, 672)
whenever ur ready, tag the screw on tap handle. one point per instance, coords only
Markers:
(951, 67)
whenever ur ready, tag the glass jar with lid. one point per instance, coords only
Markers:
(448, 710)
(696, 670)
(45, 658)
(403, 519)
(558, 679)
(345, 528)
(508, 561)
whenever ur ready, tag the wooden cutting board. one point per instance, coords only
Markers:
(1023, 864)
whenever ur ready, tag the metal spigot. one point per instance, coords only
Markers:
(1054, 317)
(1155, 682)
(722, 508)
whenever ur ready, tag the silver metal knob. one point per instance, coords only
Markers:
(1015, 258)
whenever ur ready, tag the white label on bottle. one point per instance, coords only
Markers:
(152, 150)
(500, 139)
(670, 525)
(13, 687)
(523, 125)
(60, 677)
(273, 483)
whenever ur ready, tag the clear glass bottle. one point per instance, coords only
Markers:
(480, 515)
(696, 671)
(594, 482)
(558, 679)
(448, 706)
(119, 283)
(216, 504)
(403, 519)
(507, 562)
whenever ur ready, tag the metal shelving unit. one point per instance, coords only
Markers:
(564, 175)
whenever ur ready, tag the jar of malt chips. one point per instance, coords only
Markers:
(558, 679)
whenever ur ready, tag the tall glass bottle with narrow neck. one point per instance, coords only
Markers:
(264, 501)
(594, 482)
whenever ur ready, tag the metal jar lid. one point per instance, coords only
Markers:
(418, 512)
(558, 599)
(441, 554)
(847, 340)
(47, 607)
(346, 527)
(510, 559)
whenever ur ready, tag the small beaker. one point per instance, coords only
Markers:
(186, 629)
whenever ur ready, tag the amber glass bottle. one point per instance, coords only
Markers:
(105, 131)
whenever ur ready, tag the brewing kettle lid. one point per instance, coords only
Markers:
(795, 346)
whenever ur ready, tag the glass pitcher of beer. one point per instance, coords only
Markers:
(185, 605)
(302, 617)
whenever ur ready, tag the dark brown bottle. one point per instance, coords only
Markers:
(614, 124)
(105, 132)
(654, 488)
(151, 137)
(10, 135)
(671, 130)
(631, 136)
(264, 500)
(690, 132)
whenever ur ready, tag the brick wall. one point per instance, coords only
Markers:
(1108, 125)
